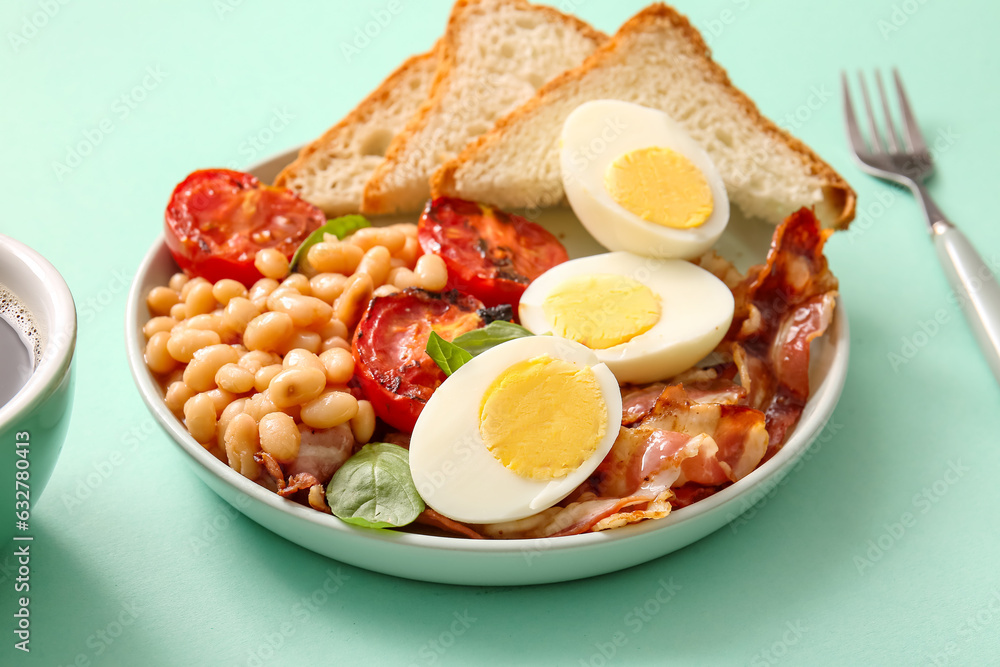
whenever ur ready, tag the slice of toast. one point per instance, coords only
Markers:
(659, 60)
(331, 172)
(495, 54)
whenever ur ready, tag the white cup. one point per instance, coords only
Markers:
(33, 423)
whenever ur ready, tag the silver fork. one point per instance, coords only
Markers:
(909, 163)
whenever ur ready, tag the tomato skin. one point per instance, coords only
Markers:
(217, 220)
(392, 368)
(490, 254)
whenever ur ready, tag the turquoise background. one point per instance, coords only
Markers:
(881, 549)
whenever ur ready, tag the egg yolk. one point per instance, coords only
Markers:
(542, 418)
(661, 186)
(601, 310)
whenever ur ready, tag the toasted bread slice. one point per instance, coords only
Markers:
(331, 172)
(494, 55)
(659, 60)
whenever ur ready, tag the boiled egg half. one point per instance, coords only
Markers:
(638, 182)
(515, 430)
(646, 318)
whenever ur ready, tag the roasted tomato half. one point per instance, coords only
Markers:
(490, 254)
(218, 219)
(391, 364)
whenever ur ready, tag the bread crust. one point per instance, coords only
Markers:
(837, 193)
(357, 116)
(376, 198)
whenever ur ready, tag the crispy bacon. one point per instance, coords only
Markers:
(781, 307)
(638, 400)
(431, 518)
(737, 434)
(322, 452)
(677, 442)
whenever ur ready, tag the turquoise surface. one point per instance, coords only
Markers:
(881, 549)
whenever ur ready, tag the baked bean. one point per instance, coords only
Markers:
(268, 331)
(191, 284)
(402, 278)
(260, 290)
(238, 313)
(317, 498)
(257, 359)
(177, 395)
(242, 442)
(199, 417)
(225, 417)
(298, 282)
(178, 311)
(432, 272)
(206, 322)
(307, 340)
(376, 263)
(280, 437)
(352, 303)
(327, 286)
(157, 355)
(272, 263)
(262, 378)
(221, 398)
(183, 344)
(228, 289)
(158, 324)
(332, 328)
(408, 228)
(299, 358)
(384, 290)
(259, 405)
(304, 310)
(282, 291)
(294, 386)
(363, 423)
(200, 299)
(177, 281)
(338, 364)
(161, 299)
(411, 251)
(206, 362)
(369, 237)
(334, 257)
(233, 377)
(335, 341)
(329, 409)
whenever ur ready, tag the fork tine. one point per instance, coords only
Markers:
(890, 127)
(876, 140)
(853, 132)
(914, 140)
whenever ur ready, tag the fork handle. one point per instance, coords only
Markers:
(974, 287)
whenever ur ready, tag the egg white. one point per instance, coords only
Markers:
(596, 134)
(696, 311)
(453, 470)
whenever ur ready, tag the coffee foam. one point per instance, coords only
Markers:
(19, 317)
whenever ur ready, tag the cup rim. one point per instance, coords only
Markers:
(60, 342)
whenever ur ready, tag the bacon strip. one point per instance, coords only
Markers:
(322, 452)
(781, 307)
(431, 518)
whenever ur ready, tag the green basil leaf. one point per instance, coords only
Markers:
(339, 227)
(477, 341)
(448, 356)
(374, 488)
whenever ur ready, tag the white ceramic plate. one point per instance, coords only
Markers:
(497, 562)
